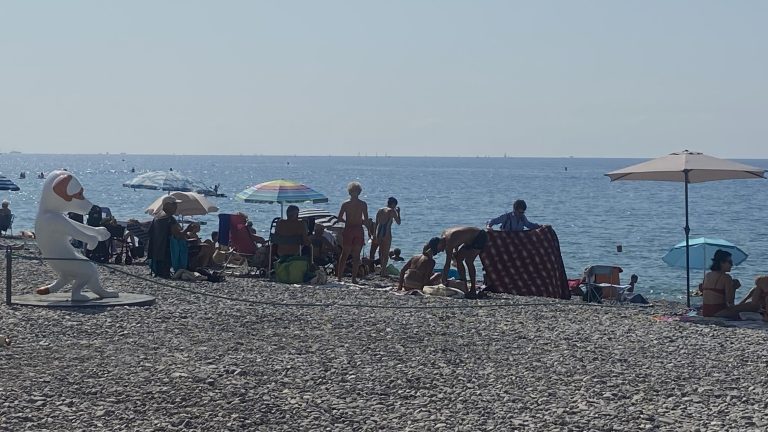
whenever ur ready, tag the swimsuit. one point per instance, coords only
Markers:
(353, 236)
(384, 229)
(479, 242)
(711, 309)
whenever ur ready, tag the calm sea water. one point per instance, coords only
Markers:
(590, 214)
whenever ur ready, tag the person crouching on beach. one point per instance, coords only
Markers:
(419, 270)
(354, 214)
(382, 239)
(464, 245)
(514, 220)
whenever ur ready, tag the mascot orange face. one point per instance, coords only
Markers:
(63, 192)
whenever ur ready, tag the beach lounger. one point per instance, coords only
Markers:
(6, 223)
(140, 231)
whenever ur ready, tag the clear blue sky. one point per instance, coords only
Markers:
(411, 77)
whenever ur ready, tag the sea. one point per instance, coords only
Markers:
(591, 215)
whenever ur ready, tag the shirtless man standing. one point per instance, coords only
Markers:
(354, 214)
(383, 232)
(463, 244)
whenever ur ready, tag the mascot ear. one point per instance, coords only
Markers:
(60, 186)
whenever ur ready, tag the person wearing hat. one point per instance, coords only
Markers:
(514, 220)
(163, 227)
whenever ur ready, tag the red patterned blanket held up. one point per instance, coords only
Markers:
(525, 263)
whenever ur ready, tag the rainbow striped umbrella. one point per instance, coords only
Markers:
(280, 191)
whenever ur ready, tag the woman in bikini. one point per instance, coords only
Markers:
(719, 290)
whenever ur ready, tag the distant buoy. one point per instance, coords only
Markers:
(619, 248)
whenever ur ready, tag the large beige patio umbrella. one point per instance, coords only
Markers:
(190, 204)
(687, 167)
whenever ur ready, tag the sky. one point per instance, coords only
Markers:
(402, 77)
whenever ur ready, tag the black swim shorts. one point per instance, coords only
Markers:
(480, 241)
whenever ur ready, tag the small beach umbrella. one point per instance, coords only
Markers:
(164, 180)
(7, 185)
(190, 204)
(701, 251)
(687, 167)
(280, 191)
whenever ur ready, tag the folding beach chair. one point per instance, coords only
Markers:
(276, 239)
(234, 232)
(601, 283)
(140, 231)
(6, 223)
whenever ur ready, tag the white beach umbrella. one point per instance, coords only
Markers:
(190, 204)
(167, 181)
(687, 167)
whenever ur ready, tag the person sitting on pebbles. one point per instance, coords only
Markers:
(758, 297)
(419, 271)
(719, 290)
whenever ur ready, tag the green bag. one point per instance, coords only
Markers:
(291, 270)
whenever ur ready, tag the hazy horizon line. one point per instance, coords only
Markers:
(504, 156)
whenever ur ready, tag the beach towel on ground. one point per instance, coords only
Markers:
(443, 291)
(525, 263)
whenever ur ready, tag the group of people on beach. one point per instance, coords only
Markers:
(462, 245)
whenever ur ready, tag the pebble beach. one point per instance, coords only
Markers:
(361, 358)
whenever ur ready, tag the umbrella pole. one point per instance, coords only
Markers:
(687, 247)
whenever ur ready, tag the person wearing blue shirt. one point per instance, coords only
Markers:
(514, 220)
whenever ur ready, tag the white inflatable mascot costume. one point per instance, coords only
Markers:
(63, 193)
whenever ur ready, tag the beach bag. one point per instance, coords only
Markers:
(291, 270)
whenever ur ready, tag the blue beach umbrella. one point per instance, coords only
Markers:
(701, 251)
(280, 191)
(165, 181)
(7, 185)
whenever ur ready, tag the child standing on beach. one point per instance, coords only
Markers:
(354, 214)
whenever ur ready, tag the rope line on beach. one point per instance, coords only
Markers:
(302, 305)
